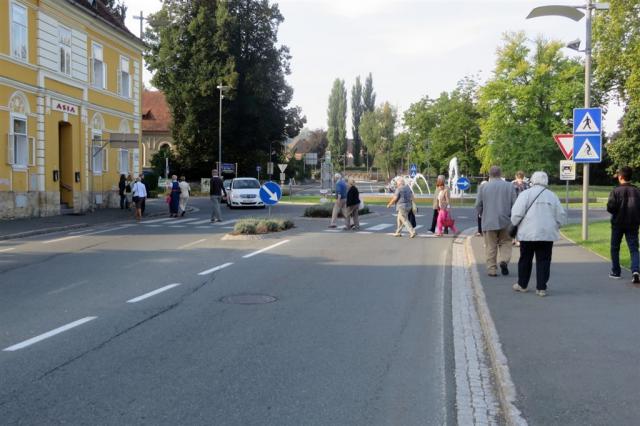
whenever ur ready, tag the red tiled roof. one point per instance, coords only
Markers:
(156, 116)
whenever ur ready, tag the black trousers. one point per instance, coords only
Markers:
(542, 251)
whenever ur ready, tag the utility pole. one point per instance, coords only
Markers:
(221, 88)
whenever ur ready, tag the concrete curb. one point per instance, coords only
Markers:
(499, 364)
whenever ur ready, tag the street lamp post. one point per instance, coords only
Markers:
(572, 12)
(221, 88)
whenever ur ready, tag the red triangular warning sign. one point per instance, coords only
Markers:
(565, 142)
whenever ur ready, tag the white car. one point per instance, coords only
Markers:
(244, 192)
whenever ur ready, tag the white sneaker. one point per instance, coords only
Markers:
(516, 287)
(541, 293)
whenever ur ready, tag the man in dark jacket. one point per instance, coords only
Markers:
(624, 206)
(216, 188)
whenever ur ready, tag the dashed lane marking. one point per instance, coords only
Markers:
(191, 244)
(152, 293)
(215, 269)
(48, 334)
(246, 256)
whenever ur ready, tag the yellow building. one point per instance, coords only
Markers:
(70, 85)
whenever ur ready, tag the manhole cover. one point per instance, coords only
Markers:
(248, 299)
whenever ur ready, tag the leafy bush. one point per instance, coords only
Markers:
(262, 225)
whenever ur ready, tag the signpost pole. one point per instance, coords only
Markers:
(587, 104)
(567, 182)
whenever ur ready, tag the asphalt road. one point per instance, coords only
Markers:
(129, 325)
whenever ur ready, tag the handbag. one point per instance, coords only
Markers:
(448, 221)
(513, 229)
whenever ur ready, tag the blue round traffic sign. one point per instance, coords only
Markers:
(463, 184)
(270, 193)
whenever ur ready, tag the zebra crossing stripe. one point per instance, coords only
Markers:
(164, 219)
(200, 222)
(380, 227)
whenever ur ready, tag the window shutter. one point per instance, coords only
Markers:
(92, 78)
(32, 151)
(11, 148)
(105, 157)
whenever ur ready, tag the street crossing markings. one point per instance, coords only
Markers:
(246, 256)
(192, 244)
(380, 227)
(215, 269)
(226, 222)
(153, 293)
(48, 334)
(364, 232)
(57, 240)
(4, 250)
(200, 222)
(164, 219)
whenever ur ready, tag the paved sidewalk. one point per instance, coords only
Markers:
(20, 228)
(573, 355)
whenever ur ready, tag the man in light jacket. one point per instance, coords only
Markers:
(493, 204)
(539, 215)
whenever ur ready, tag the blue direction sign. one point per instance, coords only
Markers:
(413, 170)
(587, 139)
(258, 168)
(270, 193)
(463, 184)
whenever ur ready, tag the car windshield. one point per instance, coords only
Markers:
(246, 184)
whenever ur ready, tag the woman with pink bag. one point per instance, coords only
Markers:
(444, 209)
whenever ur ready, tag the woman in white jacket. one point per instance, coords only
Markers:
(538, 214)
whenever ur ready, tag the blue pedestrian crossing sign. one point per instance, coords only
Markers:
(587, 121)
(270, 193)
(587, 131)
(463, 184)
(413, 170)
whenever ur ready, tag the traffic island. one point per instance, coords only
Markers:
(326, 209)
(261, 226)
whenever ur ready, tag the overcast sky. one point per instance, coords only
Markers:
(412, 48)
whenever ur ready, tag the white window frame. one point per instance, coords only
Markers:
(24, 55)
(64, 58)
(13, 142)
(124, 75)
(97, 160)
(94, 58)
(123, 161)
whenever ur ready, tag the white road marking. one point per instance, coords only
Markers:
(246, 256)
(217, 268)
(200, 222)
(226, 222)
(380, 227)
(61, 239)
(364, 232)
(192, 244)
(228, 227)
(105, 230)
(81, 231)
(153, 293)
(463, 217)
(70, 286)
(364, 223)
(188, 220)
(177, 226)
(332, 230)
(203, 227)
(7, 249)
(153, 226)
(48, 334)
(164, 219)
(418, 227)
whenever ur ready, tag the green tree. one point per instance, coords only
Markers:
(616, 50)
(337, 121)
(368, 95)
(357, 108)
(116, 7)
(529, 98)
(195, 46)
(377, 130)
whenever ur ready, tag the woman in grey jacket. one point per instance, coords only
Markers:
(538, 214)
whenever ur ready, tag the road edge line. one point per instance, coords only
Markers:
(499, 363)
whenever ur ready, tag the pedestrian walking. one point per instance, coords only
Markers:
(353, 204)
(479, 217)
(174, 197)
(340, 205)
(122, 186)
(143, 202)
(444, 210)
(538, 214)
(139, 191)
(493, 202)
(519, 183)
(127, 190)
(216, 189)
(624, 206)
(403, 199)
(185, 192)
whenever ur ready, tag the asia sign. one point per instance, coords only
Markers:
(57, 105)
